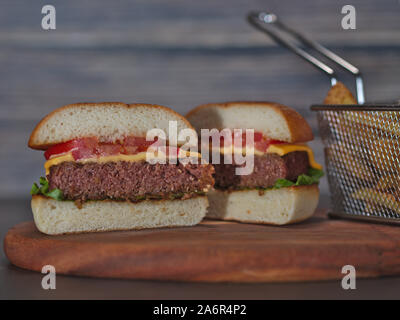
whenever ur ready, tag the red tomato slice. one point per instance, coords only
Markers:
(137, 144)
(261, 143)
(86, 148)
(130, 150)
(258, 136)
(90, 147)
(61, 148)
(265, 143)
(134, 141)
(109, 149)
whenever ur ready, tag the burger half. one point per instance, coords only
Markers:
(98, 177)
(282, 187)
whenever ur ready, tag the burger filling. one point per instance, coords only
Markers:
(86, 169)
(133, 181)
(268, 169)
(276, 164)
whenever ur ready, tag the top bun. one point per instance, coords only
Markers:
(108, 121)
(274, 120)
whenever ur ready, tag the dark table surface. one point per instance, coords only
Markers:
(16, 283)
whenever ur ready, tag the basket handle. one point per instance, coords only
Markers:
(262, 22)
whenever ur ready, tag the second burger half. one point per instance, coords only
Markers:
(282, 187)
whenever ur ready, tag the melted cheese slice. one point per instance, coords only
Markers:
(227, 150)
(120, 157)
(57, 160)
(282, 149)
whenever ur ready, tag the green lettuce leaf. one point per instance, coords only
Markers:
(282, 183)
(56, 194)
(312, 177)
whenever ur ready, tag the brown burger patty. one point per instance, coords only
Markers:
(267, 169)
(131, 181)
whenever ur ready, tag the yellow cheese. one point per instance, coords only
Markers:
(114, 158)
(57, 160)
(282, 149)
(228, 150)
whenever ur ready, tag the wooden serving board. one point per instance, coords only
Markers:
(215, 251)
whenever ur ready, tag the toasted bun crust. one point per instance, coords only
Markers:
(108, 121)
(274, 120)
(60, 217)
(276, 206)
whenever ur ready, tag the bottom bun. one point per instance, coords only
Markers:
(60, 217)
(275, 206)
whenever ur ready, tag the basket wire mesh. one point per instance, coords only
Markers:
(362, 152)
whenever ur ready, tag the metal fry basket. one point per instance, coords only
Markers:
(362, 152)
(361, 142)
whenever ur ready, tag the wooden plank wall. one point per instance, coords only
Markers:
(175, 53)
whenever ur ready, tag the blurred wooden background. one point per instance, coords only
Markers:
(174, 53)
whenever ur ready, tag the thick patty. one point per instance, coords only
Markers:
(267, 169)
(131, 181)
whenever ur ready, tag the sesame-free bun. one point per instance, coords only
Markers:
(108, 121)
(276, 206)
(274, 120)
(59, 217)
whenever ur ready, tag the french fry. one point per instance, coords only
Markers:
(372, 123)
(384, 155)
(377, 198)
(353, 133)
(339, 94)
(388, 182)
(354, 166)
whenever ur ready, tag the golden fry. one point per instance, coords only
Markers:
(388, 182)
(339, 94)
(384, 155)
(345, 159)
(377, 198)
